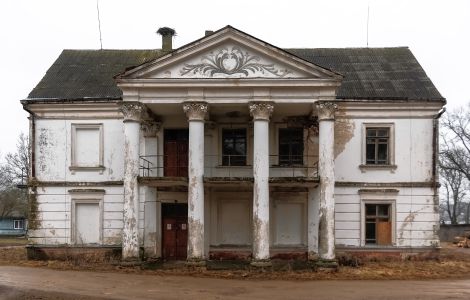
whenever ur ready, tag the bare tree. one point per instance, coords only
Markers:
(455, 186)
(455, 164)
(13, 171)
(16, 166)
(455, 147)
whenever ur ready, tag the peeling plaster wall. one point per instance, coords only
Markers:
(53, 151)
(55, 215)
(415, 219)
(53, 159)
(412, 151)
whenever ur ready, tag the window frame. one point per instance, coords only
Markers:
(18, 227)
(222, 154)
(375, 217)
(79, 196)
(74, 166)
(390, 165)
(378, 197)
(290, 163)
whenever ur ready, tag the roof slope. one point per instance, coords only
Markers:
(375, 73)
(369, 73)
(78, 74)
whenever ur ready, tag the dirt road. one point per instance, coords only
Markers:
(37, 283)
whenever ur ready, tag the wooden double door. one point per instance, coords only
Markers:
(175, 231)
(176, 152)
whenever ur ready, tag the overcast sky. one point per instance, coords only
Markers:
(33, 33)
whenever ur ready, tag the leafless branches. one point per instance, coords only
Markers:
(14, 170)
(454, 164)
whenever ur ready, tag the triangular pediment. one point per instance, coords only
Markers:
(228, 53)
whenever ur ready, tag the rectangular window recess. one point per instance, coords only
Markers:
(234, 147)
(378, 225)
(291, 146)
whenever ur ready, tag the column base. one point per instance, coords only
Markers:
(313, 256)
(326, 265)
(196, 263)
(131, 262)
(261, 263)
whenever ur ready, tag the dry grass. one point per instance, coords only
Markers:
(451, 263)
(13, 241)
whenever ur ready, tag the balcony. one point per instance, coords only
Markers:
(224, 169)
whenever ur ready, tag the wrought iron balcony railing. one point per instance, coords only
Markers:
(229, 166)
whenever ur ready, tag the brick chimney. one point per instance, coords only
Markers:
(167, 34)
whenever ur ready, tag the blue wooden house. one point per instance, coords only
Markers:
(13, 226)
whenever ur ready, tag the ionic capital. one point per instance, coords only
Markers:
(196, 111)
(326, 110)
(261, 110)
(132, 111)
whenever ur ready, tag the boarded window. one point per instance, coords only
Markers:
(234, 147)
(291, 146)
(378, 224)
(87, 145)
(87, 223)
(234, 222)
(377, 146)
(289, 223)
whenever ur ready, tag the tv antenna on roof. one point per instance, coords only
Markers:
(99, 24)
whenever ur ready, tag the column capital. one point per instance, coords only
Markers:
(196, 111)
(150, 128)
(261, 110)
(132, 111)
(326, 110)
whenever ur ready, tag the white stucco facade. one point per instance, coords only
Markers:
(260, 206)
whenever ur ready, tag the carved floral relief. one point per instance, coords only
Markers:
(232, 61)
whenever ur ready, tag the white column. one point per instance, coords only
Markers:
(313, 207)
(196, 112)
(326, 164)
(132, 112)
(261, 113)
(152, 238)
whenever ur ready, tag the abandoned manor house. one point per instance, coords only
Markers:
(230, 148)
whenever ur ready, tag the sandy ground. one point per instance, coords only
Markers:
(92, 279)
(37, 283)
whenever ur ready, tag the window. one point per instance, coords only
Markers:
(86, 216)
(87, 147)
(291, 146)
(377, 146)
(234, 147)
(378, 224)
(18, 224)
